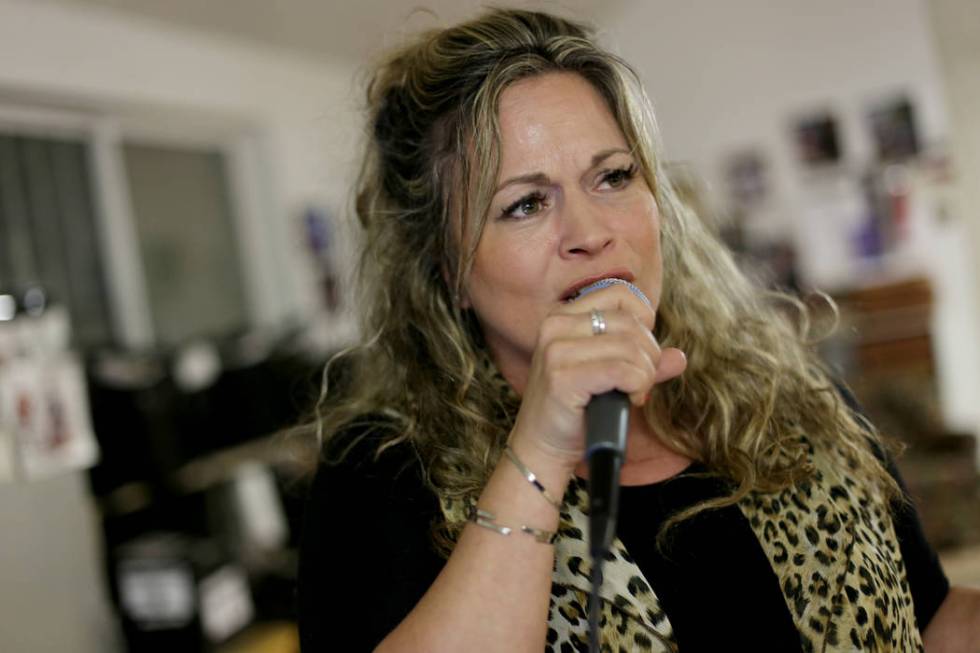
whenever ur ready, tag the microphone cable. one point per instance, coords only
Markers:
(594, 603)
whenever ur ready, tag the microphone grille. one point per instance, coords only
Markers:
(612, 281)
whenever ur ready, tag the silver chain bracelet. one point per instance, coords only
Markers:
(487, 520)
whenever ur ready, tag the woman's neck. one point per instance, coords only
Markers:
(648, 459)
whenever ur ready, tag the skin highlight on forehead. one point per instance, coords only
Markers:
(530, 135)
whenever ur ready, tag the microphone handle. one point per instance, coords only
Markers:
(606, 422)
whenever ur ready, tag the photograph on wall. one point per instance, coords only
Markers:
(893, 130)
(746, 176)
(817, 139)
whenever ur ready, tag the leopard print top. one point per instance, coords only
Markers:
(831, 544)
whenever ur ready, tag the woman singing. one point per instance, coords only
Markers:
(511, 165)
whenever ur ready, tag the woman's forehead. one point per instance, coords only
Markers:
(552, 120)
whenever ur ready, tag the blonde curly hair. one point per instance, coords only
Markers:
(422, 374)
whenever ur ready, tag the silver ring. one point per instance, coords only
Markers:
(598, 322)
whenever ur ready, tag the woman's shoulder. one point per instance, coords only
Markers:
(363, 441)
(367, 525)
(370, 450)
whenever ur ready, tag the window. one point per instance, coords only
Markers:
(187, 241)
(48, 234)
(141, 228)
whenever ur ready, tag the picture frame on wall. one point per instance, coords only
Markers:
(816, 137)
(746, 173)
(892, 123)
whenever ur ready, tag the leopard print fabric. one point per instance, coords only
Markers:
(830, 542)
(833, 547)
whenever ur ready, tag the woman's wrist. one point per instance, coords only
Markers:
(548, 457)
(532, 478)
(552, 470)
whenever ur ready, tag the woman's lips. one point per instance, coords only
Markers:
(572, 292)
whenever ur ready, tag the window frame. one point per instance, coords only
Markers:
(237, 140)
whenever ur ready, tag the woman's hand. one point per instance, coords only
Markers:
(571, 364)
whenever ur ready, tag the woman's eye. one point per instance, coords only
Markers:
(618, 178)
(526, 206)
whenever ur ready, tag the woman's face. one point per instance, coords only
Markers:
(571, 206)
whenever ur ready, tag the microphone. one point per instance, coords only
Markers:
(606, 425)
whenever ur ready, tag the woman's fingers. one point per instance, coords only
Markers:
(638, 350)
(618, 353)
(609, 324)
(580, 382)
(616, 324)
(612, 299)
(672, 364)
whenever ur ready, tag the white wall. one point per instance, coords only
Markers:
(729, 75)
(300, 114)
(956, 24)
(52, 598)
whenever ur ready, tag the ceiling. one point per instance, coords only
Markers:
(325, 29)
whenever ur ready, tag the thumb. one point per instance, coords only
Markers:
(672, 364)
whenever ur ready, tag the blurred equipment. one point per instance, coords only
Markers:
(200, 487)
(178, 593)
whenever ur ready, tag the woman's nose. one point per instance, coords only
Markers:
(584, 230)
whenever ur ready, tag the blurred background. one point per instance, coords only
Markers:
(175, 245)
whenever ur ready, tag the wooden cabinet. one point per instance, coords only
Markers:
(891, 367)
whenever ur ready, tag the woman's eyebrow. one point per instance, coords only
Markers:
(542, 179)
(530, 178)
(605, 154)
